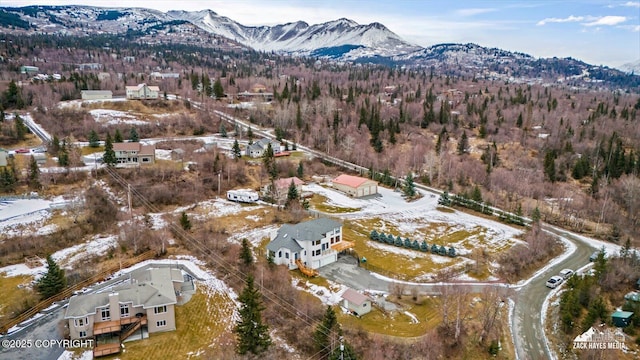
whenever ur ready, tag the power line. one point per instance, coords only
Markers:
(237, 273)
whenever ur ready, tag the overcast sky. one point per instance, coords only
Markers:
(597, 31)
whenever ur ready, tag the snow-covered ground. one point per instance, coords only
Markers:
(115, 117)
(99, 245)
(20, 215)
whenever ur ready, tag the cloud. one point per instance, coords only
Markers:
(607, 20)
(571, 18)
(632, 4)
(632, 28)
(474, 11)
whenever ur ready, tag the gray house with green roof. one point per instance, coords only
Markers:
(315, 243)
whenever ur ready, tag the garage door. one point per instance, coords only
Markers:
(327, 260)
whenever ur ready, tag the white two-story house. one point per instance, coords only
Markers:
(315, 243)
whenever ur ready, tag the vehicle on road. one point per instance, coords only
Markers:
(554, 281)
(22, 151)
(566, 273)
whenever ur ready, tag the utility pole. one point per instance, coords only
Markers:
(129, 198)
(219, 173)
(341, 348)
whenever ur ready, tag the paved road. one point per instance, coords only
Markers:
(49, 326)
(527, 327)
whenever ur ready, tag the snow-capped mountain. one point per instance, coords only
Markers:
(304, 39)
(631, 67)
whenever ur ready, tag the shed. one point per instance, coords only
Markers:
(355, 186)
(621, 318)
(356, 302)
(3, 157)
(96, 94)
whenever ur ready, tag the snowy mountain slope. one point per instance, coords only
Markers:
(631, 67)
(300, 37)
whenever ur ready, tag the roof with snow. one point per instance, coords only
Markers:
(350, 180)
(289, 236)
(147, 288)
(354, 297)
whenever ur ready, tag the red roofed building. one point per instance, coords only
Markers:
(280, 188)
(355, 186)
(356, 302)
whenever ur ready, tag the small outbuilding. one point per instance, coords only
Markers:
(621, 318)
(3, 157)
(355, 302)
(96, 94)
(355, 186)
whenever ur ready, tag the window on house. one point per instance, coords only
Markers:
(124, 310)
(160, 309)
(106, 313)
(286, 255)
(325, 247)
(82, 334)
(338, 238)
(317, 242)
(161, 323)
(80, 322)
(280, 253)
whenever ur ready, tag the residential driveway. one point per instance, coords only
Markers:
(346, 271)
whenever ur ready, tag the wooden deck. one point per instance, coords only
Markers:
(106, 349)
(342, 245)
(116, 325)
(106, 327)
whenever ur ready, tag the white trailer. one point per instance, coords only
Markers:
(243, 195)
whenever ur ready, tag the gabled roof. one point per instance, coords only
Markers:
(349, 180)
(127, 146)
(149, 288)
(354, 297)
(286, 182)
(147, 150)
(290, 236)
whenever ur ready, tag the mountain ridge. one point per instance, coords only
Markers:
(340, 40)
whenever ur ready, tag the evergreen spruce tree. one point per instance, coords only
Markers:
(55, 145)
(223, 130)
(245, 253)
(34, 174)
(94, 140)
(63, 154)
(463, 144)
(53, 280)
(300, 171)
(218, 90)
(535, 215)
(185, 222)
(133, 135)
(550, 165)
(326, 338)
(117, 138)
(109, 156)
(236, 150)
(292, 194)
(252, 334)
(409, 186)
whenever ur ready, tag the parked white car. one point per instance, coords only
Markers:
(566, 273)
(554, 281)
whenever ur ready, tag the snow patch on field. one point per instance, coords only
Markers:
(162, 154)
(327, 296)
(255, 236)
(20, 216)
(114, 117)
(70, 355)
(98, 246)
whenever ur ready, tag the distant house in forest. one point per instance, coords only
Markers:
(134, 153)
(258, 148)
(142, 92)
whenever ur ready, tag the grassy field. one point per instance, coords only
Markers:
(319, 202)
(398, 323)
(404, 267)
(13, 298)
(200, 322)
